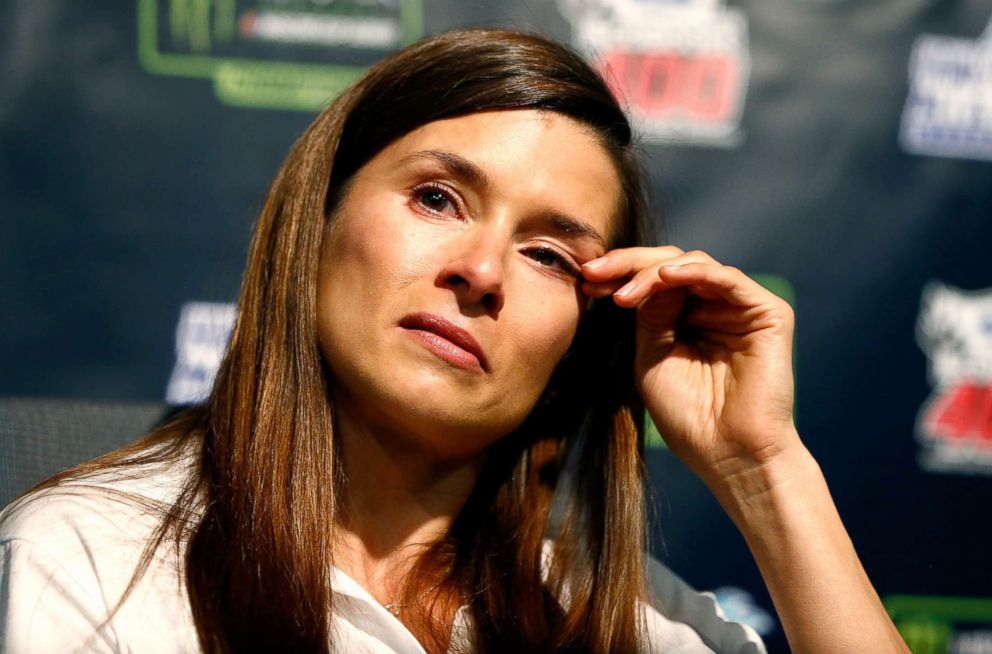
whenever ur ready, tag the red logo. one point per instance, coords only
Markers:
(960, 414)
(955, 424)
(680, 66)
(667, 85)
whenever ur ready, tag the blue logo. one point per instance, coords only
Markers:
(949, 109)
(201, 341)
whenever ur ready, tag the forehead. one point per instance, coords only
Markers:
(528, 156)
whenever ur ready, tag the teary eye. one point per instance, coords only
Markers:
(436, 199)
(553, 259)
(545, 256)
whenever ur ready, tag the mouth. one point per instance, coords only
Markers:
(446, 340)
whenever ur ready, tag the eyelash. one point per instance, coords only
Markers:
(449, 195)
(561, 261)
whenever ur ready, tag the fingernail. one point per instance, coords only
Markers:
(625, 290)
(595, 263)
(672, 267)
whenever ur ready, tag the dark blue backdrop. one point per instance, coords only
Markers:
(841, 149)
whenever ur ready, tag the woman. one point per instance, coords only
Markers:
(422, 436)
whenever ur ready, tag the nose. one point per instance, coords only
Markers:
(473, 270)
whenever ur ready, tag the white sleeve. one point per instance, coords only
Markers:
(44, 608)
(679, 619)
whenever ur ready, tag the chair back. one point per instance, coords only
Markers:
(42, 436)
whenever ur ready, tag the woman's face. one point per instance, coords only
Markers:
(449, 280)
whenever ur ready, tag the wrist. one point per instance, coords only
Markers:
(755, 487)
(783, 508)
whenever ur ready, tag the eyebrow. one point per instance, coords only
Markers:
(569, 226)
(457, 165)
(470, 173)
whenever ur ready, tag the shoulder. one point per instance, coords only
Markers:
(119, 504)
(67, 555)
(678, 618)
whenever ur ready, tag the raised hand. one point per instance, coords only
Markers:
(713, 357)
(714, 366)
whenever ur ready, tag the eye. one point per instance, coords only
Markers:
(436, 199)
(551, 258)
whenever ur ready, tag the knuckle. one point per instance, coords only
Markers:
(650, 272)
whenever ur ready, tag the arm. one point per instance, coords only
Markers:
(713, 363)
(821, 593)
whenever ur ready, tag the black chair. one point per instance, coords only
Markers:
(42, 436)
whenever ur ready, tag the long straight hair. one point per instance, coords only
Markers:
(256, 516)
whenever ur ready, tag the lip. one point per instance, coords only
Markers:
(447, 340)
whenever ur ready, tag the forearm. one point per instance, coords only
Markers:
(822, 595)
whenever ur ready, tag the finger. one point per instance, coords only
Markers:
(704, 292)
(733, 341)
(722, 316)
(657, 320)
(722, 282)
(626, 262)
(643, 285)
(602, 289)
(649, 281)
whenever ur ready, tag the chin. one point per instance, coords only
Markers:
(454, 418)
(455, 413)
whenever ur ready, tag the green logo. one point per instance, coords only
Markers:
(928, 624)
(273, 54)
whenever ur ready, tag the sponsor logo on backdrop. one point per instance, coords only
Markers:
(949, 109)
(954, 425)
(943, 625)
(681, 67)
(201, 340)
(275, 54)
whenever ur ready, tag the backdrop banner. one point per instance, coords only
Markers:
(841, 152)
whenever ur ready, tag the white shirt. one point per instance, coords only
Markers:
(69, 553)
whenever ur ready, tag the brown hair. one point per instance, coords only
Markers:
(256, 514)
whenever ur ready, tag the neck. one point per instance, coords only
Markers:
(398, 498)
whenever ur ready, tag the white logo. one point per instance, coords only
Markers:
(681, 67)
(949, 109)
(738, 605)
(314, 28)
(201, 341)
(955, 424)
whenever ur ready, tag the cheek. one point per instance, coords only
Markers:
(547, 329)
(350, 254)
(363, 262)
(353, 274)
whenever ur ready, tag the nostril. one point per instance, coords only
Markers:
(483, 291)
(490, 301)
